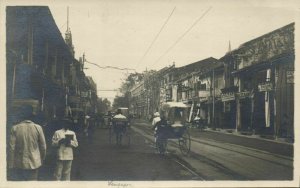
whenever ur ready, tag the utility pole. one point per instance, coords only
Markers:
(147, 92)
(214, 126)
(83, 60)
(67, 18)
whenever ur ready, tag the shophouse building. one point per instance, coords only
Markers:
(138, 100)
(199, 86)
(259, 84)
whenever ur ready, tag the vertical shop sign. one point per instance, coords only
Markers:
(289, 77)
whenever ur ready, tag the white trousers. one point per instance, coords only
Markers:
(63, 170)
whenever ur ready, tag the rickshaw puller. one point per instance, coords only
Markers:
(119, 124)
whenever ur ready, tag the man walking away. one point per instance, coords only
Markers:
(65, 140)
(27, 147)
(119, 125)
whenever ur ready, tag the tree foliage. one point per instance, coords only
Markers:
(131, 80)
(122, 101)
(127, 85)
(103, 105)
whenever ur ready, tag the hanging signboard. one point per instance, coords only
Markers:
(228, 96)
(268, 86)
(289, 77)
(84, 94)
(203, 99)
(203, 93)
(243, 95)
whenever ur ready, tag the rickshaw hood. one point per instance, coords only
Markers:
(175, 104)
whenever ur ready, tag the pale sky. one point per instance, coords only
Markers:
(118, 32)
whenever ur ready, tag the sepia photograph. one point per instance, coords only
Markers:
(163, 93)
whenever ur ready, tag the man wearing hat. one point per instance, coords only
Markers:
(156, 118)
(119, 125)
(27, 146)
(65, 140)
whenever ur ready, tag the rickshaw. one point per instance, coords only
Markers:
(120, 129)
(124, 111)
(173, 127)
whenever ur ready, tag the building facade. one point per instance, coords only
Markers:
(138, 100)
(195, 87)
(250, 89)
(41, 68)
(259, 82)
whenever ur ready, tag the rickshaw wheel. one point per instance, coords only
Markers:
(126, 137)
(185, 143)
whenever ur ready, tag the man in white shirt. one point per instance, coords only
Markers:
(120, 123)
(156, 118)
(27, 147)
(65, 140)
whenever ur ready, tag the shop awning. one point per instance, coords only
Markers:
(17, 103)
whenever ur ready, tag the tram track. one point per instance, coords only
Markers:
(243, 153)
(185, 164)
(208, 142)
(179, 161)
(275, 159)
(196, 175)
(203, 159)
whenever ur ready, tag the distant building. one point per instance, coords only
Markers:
(195, 87)
(138, 99)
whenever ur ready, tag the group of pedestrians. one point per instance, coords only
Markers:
(27, 148)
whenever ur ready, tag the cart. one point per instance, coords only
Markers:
(173, 127)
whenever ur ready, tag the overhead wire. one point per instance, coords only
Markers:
(155, 38)
(109, 67)
(181, 37)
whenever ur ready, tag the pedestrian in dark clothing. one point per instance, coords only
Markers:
(91, 129)
(161, 123)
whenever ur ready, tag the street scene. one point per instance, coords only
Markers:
(208, 159)
(105, 103)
